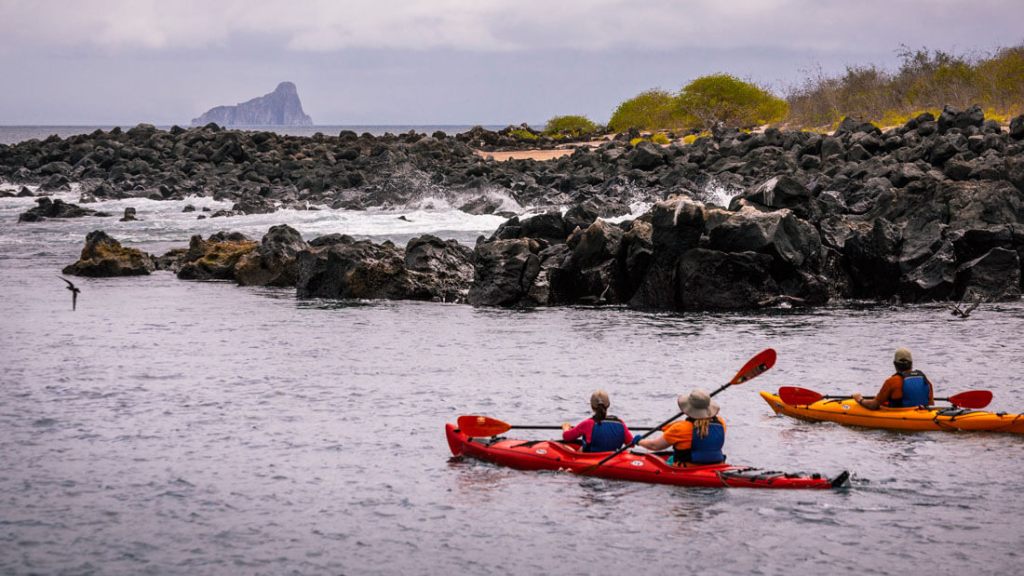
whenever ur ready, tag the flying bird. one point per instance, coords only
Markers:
(955, 309)
(74, 292)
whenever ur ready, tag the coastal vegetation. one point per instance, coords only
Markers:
(722, 99)
(570, 127)
(649, 110)
(925, 81)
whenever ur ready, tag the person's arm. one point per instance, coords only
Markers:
(680, 433)
(931, 391)
(654, 444)
(881, 398)
(582, 429)
(627, 436)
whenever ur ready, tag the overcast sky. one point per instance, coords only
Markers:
(443, 61)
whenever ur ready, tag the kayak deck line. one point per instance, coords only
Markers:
(554, 455)
(847, 412)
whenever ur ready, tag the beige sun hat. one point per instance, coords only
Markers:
(902, 356)
(698, 405)
(599, 398)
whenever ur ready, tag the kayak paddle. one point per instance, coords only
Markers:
(754, 367)
(481, 426)
(802, 397)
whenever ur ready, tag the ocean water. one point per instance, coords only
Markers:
(15, 134)
(175, 427)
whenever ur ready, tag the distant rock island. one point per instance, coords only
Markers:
(281, 107)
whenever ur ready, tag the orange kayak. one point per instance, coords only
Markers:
(846, 411)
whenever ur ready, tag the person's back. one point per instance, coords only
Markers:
(699, 439)
(601, 432)
(907, 388)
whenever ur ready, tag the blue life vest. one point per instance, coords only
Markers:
(608, 435)
(708, 450)
(915, 390)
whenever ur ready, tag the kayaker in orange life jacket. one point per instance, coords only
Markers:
(904, 389)
(699, 439)
(601, 432)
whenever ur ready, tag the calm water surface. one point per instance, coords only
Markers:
(173, 427)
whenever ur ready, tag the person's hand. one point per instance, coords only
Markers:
(856, 397)
(636, 440)
(566, 426)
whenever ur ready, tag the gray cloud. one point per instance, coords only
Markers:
(440, 61)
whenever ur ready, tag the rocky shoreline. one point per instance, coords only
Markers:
(923, 212)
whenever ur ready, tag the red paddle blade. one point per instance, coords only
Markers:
(480, 426)
(798, 396)
(757, 365)
(971, 399)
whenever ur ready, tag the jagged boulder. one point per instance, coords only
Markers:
(103, 256)
(446, 263)
(676, 227)
(344, 268)
(933, 279)
(778, 192)
(504, 272)
(995, 275)
(593, 271)
(789, 240)
(872, 260)
(273, 263)
(48, 208)
(715, 280)
(215, 258)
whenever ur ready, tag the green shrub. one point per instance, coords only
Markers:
(650, 110)
(570, 126)
(523, 134)
(660, 138)
(637, 140)
(722, 99)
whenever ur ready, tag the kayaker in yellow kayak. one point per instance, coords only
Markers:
(906, 388)
(699, 439)
(601, 432)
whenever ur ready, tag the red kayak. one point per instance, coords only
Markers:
(552, 455)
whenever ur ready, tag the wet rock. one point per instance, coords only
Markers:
(995, 275)
(481, 205)
(676, 227)
(274, 262)
(504, 272)
(592, 273)
(347, 269)
(24, 192)
(47, 208)
(789, 240)
(445, 264)
(872, 261)
(215, 258)
(103, 257)
(715, 280)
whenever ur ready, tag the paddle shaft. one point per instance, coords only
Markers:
(841, 397)
(527, 427)
(659, 427)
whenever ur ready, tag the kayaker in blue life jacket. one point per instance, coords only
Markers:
(697, 440)
(906, 388)
(601, 432)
